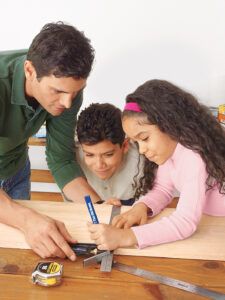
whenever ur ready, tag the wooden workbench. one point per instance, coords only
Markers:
(16, 266)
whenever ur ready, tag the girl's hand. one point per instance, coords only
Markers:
(110, 238)
(113, 201)
(137, 215)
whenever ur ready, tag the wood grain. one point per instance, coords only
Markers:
(36, 141)
(46, 196)
(207, 243)
(41, 176)
(78, 283)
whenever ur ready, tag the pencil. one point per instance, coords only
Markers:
(91, 210)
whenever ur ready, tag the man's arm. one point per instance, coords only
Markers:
(78, 188)
(46, 236)
(60, 154)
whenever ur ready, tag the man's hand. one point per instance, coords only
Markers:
(47, 237)
(137, 215)
(110, 238)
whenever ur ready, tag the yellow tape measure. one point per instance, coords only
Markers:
(47, 273)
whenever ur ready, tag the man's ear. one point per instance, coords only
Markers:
(29, 70)
(125, 146)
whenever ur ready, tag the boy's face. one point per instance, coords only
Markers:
(54, 94)
(156, 145)
(104, 158)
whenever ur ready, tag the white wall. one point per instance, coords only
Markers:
(135, 40)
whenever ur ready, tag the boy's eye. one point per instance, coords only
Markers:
(89, 154)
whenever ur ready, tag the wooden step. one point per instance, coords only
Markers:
(46, 177)
(42, 176)
(36, 141)
(46, 196)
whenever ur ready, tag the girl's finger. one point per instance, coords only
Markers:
(95, 235)
(103, 247)
(143, 220)
(92, 228)
(120, 223)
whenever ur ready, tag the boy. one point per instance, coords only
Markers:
(108, 160)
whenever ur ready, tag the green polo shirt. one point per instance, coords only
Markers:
(19, 121)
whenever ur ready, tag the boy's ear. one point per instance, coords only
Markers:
(125, 146)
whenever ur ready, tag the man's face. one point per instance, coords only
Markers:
(54, 94)
(104, 158)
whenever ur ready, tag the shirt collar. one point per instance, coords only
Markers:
(177, 152)
(18, 83)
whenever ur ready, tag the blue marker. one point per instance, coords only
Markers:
(91, 210)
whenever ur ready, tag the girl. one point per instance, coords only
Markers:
(184, 147)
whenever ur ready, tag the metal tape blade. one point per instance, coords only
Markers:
(182, 285)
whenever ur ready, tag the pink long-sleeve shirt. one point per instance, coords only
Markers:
(186, 172)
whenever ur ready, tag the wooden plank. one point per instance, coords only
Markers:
(16, 267)
(42, 176)
(46, 196)
(37, 141)
(201, 272)
(174, 202)
(19, 287)
(198, 246)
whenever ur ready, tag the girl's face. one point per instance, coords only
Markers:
(153, 143)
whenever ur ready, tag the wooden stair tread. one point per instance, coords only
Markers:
(41, 176)
(37, 141)
(46, 196)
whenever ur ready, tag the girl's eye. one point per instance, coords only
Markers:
(145, 139)
(54, 91)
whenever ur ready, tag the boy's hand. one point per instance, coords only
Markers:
(113, 201)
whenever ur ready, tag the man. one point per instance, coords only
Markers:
(43, 84)
(109, 161)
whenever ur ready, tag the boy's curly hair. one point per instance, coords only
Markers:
(99, 122)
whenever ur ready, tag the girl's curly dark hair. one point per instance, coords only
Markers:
(178, 114)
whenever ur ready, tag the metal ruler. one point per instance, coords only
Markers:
(182, 285)
(106, 264)
(114, 212)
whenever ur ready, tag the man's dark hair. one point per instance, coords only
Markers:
(61, 50)
(100, 122)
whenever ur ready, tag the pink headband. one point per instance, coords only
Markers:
(133, 106)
